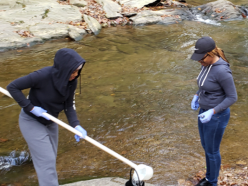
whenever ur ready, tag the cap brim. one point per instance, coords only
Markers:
(197, 57)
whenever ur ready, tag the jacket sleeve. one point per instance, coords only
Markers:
(15, 89)
(227, 83)
(197, 93)
(70, 109)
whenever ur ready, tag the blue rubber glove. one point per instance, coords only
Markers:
(194, 103)
(206, 116)
(80, 129)
(38, 111)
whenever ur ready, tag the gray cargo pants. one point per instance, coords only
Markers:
(43, 143)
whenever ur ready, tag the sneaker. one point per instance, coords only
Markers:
(207, 184)
(202, 182)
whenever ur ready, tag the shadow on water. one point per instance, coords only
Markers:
(137, 86)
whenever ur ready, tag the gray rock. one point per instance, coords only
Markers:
(103, 181)
(47, 31)
(111, 8)
(219, 10)
(76, 33)
(4, 2)
(79, 3)
(9, 38)
(136, 3)
(45, 20)
(174, 3)
(64, 13)
(93, 24)
(47, 11)
(244, 10)
(168, 16)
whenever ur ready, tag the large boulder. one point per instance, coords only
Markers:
(36, 21)
(168, 16)
(220, 10)
(48, 31)
(51, 11)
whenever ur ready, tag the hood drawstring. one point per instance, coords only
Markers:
(206, 75)
(80, 84)
(206, 69)
(199, 73)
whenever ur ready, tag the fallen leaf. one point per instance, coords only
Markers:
(241, 162)
(123, 152)
(3, 140)
(243, 15)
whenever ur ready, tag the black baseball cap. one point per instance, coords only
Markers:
(203, 46)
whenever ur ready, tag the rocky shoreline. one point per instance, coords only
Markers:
(24, 23)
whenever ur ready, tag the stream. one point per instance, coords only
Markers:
(136, 90)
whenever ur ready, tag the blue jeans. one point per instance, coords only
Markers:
(211, 134)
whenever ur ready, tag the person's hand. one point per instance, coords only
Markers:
(80, 129)
(38, 111)
(206, 116)
(194, 102)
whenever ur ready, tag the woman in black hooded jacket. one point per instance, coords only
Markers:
(52, 90)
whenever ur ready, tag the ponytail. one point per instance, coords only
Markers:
(218, 52)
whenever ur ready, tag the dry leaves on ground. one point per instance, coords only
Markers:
(96, 11)
(237, 176)
(24, 33)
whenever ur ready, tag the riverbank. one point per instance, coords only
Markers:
(236, 176)
(229, 176)
(25, 23)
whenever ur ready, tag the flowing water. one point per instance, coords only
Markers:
(136, 87)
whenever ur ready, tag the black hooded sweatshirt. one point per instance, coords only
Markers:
(50, 87)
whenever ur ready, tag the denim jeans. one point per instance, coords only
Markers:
(211, 134)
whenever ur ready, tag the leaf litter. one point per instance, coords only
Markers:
(229, 176)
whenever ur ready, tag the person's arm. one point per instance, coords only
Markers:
(227, 84)
(70, 109)
(15, 89)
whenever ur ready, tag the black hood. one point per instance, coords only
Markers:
(66, 61)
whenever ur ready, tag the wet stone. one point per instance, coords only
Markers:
(103, 181)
